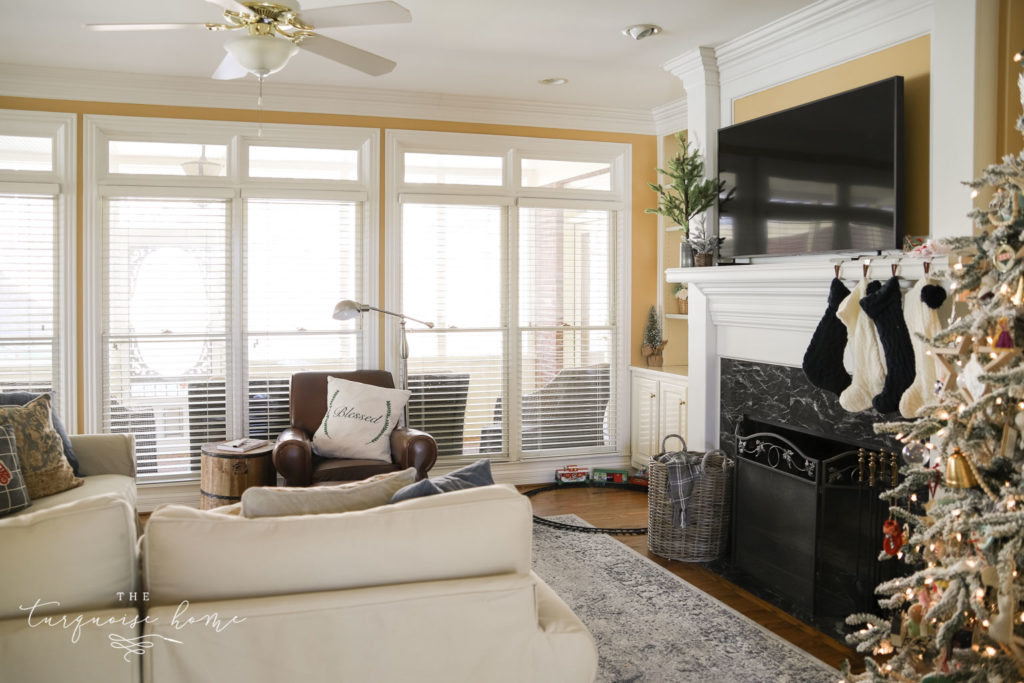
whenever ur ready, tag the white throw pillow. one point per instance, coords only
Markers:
(285, 501)
(359, 420)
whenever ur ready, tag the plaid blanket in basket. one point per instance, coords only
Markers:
(684, 469)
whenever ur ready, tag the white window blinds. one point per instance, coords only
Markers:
(30, 292)
(566, 294)
(290, 293)
(452, 275)
(167, 312)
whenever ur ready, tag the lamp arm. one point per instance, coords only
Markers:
(400, 315)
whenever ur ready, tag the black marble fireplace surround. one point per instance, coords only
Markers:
(805, 536)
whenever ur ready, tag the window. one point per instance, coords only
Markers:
(36, 206)
(218, 283)
(520, 272)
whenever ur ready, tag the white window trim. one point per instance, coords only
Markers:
(511, 195)
(61, 183)
(98, 182)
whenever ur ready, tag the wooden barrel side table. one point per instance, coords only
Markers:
(224, 476)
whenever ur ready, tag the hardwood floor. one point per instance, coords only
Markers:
(623, 508)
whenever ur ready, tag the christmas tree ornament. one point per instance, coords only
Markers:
(885, 308)
(914, 453)
(969, 380)
(1004, 340)
(823, 360)
(893, 540)
(958, 471)
(1008, 444)
(950, 359)
(1018, 421)
(1004, 258)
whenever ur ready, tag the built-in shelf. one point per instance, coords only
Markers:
(677, 316)
(674, 228)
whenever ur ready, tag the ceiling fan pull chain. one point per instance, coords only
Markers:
(259, 106)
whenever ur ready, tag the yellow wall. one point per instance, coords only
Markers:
(1011, 40)
(644, 226)
(912, 60)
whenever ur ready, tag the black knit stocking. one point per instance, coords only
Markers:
(885, 308)
(823, 360)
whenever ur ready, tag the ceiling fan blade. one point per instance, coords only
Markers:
(140, 27)
(229, 69)
(363, 14)
(231, 5)
(346, 54)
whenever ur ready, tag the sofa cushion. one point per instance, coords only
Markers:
(20, 398)
(13, 493)
(94, 485)
(359, 420)
(280, 501)
(72, 557)
(40, 450)
(191, 554)
(470, 476)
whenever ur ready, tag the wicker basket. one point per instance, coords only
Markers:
(709, 510)
(683, 305)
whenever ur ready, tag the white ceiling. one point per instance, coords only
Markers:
(485, 48)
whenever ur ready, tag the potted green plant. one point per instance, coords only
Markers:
(654, 340)
(682, 294)
(689, 192)
(703, 245)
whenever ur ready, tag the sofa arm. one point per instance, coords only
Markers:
(105, 453)
(293, 457)
(413, 448)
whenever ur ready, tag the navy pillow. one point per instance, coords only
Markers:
(13, 492)
(20, 398)
(470, 476)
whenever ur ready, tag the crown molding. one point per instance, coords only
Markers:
(670, 117)
(817, 37)
(18, 80)
(699, 63)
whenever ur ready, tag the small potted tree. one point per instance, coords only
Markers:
(654, 340)
(682, 294)
(689, 193)
(704, 246)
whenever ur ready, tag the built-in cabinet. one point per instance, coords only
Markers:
(657, 409)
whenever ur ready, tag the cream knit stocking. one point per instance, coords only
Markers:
(920, 312)
(863, 357)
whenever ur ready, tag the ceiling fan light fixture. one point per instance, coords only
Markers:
(641, 31)
(261, 54)
(553, 81)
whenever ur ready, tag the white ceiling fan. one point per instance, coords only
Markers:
(273, 31)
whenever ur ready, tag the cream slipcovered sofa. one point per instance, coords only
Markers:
(74, 553)
(430, 589)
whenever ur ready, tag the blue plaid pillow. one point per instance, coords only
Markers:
(13, 492)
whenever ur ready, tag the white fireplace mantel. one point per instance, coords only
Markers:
(764, 313)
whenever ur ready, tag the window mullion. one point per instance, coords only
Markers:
(238, 341)
(513, 357)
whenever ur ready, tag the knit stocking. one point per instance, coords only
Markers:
(919, 312)
(885, 307)
(863, 357)
(823, 361)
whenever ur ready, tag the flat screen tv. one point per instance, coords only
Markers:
(821, 177)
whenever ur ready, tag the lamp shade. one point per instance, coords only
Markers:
(261, 54)
(348, 309)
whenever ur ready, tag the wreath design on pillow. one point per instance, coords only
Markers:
(328, 413)
(387, 421)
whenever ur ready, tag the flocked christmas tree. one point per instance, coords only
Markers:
(956, 615)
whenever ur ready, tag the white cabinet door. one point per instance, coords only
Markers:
(644, 419)
(672, 414)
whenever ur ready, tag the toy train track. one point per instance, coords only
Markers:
(618, 531)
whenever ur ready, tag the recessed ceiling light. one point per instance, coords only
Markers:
(641, 31)
(553, 81)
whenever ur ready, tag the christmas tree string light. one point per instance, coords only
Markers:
(957, 612)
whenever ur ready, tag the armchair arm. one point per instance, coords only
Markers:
(293, 457)
(413, 448)
(105, 453)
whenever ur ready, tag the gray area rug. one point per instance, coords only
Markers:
(650, 625)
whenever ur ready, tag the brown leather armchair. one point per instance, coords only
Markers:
(293, 451)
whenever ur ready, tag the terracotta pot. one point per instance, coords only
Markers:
(701, 260)
(684, 306)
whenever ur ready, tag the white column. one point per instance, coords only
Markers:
(698, 70)
(963, 101)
